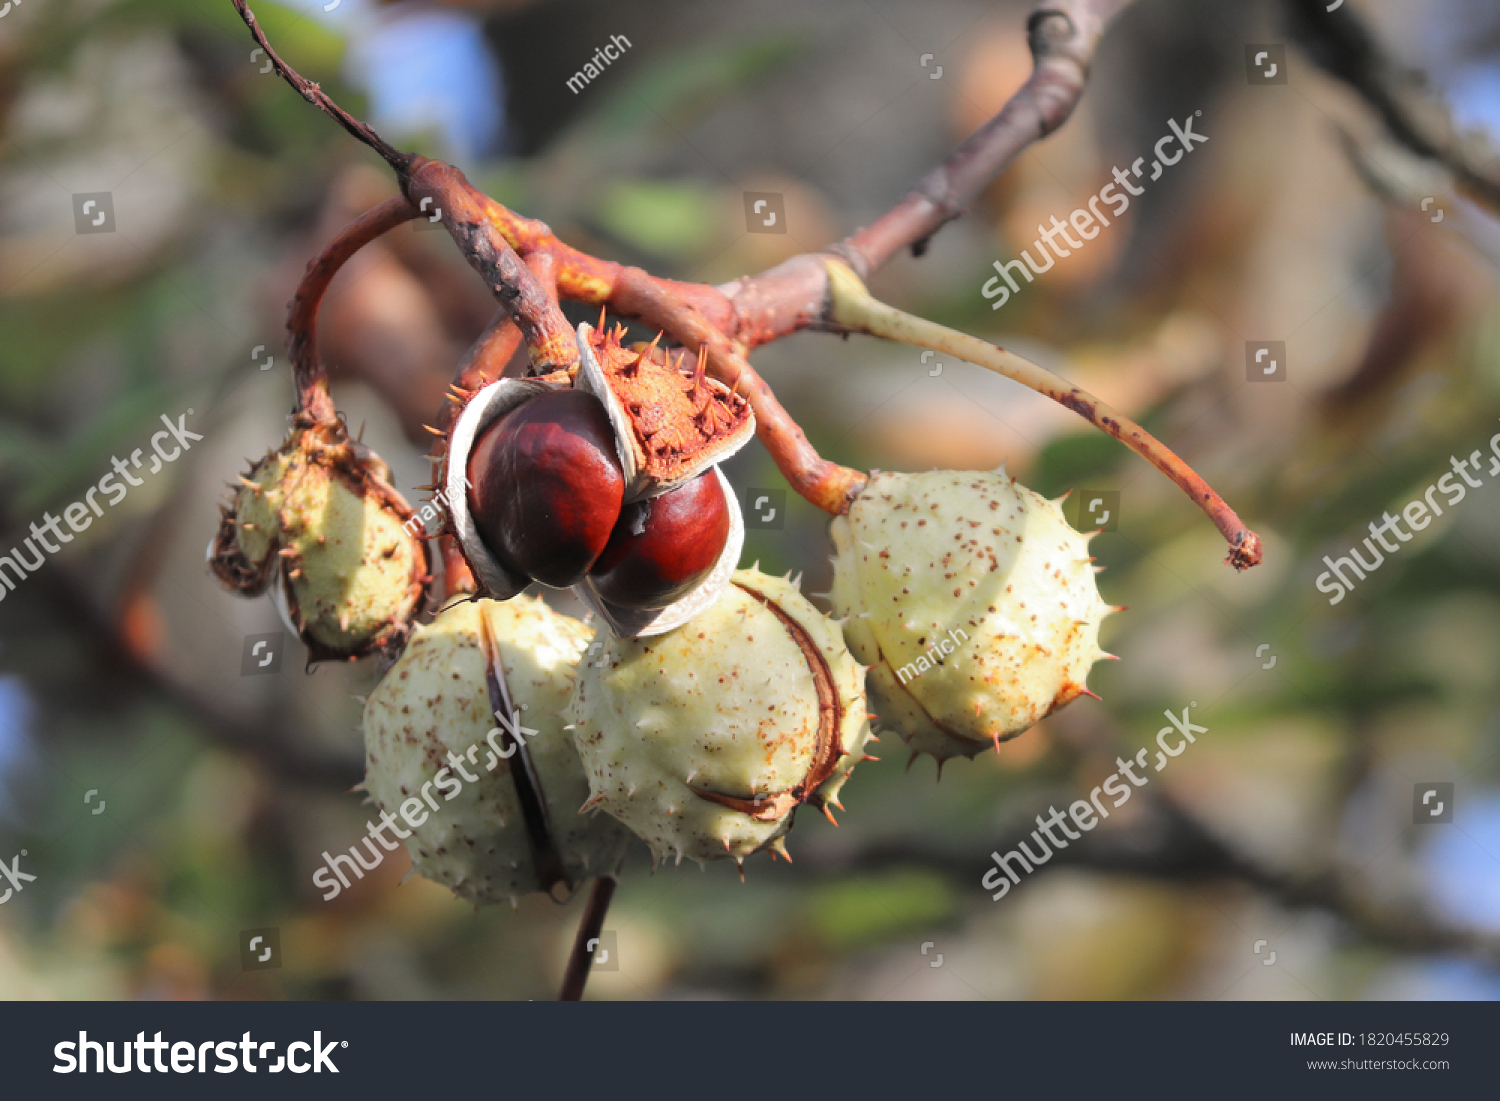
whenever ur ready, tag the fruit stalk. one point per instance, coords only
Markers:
(487, 357)
(853, 308)
(309, 374)
(589, 928)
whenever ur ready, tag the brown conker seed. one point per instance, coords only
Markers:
(664, 546)
(545, 486)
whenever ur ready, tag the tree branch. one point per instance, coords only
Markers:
(1062, 35)
(315, 95)
(1340, 43)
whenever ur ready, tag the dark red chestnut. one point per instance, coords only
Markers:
(545, 486)
(663, 546)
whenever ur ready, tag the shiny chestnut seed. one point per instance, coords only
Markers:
(664, 546)
(545, 486)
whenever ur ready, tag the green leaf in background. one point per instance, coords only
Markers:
(670, 220)
(867, 909)
(1069, 461)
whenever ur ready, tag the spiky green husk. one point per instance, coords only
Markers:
(435, 701)
(755, 697)
(976, 562)
(318, 521)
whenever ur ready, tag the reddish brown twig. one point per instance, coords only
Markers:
(1062, 35)
(589, 928)
(311, 92)
(489, 355)
(549, 337)
(309, 374)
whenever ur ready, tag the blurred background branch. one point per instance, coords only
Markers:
(1343, 44)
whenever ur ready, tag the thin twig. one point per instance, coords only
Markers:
(314, 94)
(853, 308)
(489, 355)
(308, 371)
(589, 928)
(1062, 35)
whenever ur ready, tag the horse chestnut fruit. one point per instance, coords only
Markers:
(545, 486)
(538, 472)
(705, 741)
(664, 546)
(972, 601)
(318, 522)
(511, 781)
